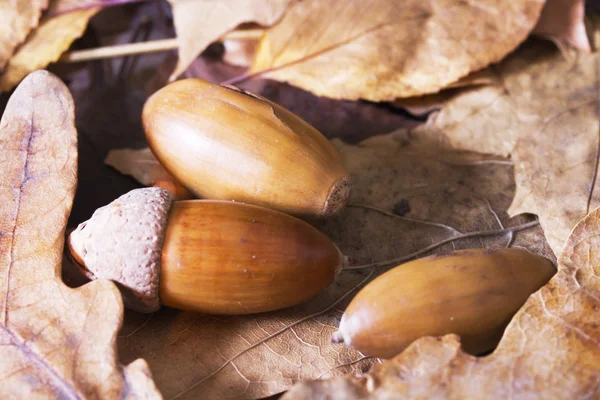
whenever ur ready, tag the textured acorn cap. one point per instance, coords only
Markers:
(123, 242)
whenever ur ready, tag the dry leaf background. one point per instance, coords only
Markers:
(193, 355)
(56, 342)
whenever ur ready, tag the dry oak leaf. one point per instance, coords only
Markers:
(381, 50)
(550, 350)
(45, 45)
(198, 23)
(444, 196)
(563, 22)
(545, 115)
(55, 342)
(423, 105)
(17, 19)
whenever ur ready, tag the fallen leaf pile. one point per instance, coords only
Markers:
(57, 342)
(474, 134)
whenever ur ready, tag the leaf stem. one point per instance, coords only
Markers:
(490, 232)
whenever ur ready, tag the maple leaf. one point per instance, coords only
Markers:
(550, 350)
(56, 342)
(380, 50)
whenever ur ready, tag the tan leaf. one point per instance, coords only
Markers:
(140, 164)
(17, 19)
(545, 115)
(239, 52)
(381, 50)
(198, 23)
(563, 22)
(550, 350)
(57, 342)
(45, 45)
(215, 357)
(423, 105)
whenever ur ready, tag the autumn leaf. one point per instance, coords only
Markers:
(423, 105)
(544, 114)
(201, 22)
(17, 19)
(448, 201)
(57, 342)
(380, 50)
(549, 350)
(46, 44)
(563, 22)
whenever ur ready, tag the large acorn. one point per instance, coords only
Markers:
(215, 257)
(473, 293)
(224, 143)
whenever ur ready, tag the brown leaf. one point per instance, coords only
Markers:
(563, 22)
(57, 342)
(45, 45)
(201, 22)
(216, 357)
(17, 19)
(545, 115)
(550, 350)
(423, 105)
(141, 164)
(381, 50)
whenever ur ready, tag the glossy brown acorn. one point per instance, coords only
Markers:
(473, 293)
(223, 143)
(214, 257)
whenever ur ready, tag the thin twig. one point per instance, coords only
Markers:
(491, 232)
(152, 46)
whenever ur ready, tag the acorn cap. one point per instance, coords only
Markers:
(123, 242)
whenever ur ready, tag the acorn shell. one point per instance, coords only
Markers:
(223, 143)
(229, 258)
(473, 293)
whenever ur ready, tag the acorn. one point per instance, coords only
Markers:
(472, 293)
(227, 144)
(214, 257)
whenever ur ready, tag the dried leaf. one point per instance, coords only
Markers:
(141, 164)
(17, 19)
(239, 52)
(57, 342)
(563, 22)
(381, 50)
(550, 350)
(216, 357)
(546, 116)
(45, 45)
(423, 105)
(199, 23)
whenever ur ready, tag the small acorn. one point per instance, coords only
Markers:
(227, 144)
(473, 293)
(214, 257)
